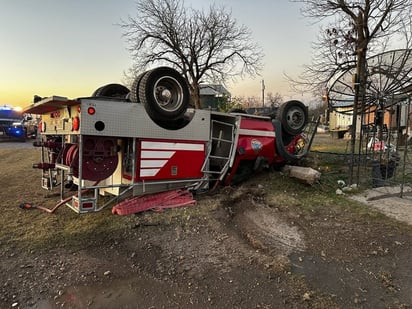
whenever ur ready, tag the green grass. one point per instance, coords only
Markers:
(37, 230)
(325, 143)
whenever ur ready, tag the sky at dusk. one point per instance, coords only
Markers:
(72, 47)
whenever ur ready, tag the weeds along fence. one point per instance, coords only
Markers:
(382, 152)
(386, 141)
(377, 162)
(389, 157)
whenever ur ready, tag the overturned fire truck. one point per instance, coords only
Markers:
(122, 143)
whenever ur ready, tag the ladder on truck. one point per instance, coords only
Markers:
(220, 151)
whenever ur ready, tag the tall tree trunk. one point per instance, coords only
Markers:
(196, 95)
(360, 89)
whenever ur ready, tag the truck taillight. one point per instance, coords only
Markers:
(300, 143)
(91, 111)
(76, 124)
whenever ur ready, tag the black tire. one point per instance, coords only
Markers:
(164, 94)
(134, 91)
(94, 94)
(293, 116)
(112, 91)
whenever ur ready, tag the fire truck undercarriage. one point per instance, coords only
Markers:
(120, 144)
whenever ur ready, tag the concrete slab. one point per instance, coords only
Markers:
(389, 201)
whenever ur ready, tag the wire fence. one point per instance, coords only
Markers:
(381, 158)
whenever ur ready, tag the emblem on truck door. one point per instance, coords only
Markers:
(256, 145)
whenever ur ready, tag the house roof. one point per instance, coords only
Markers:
(213, 90)
(342, 104)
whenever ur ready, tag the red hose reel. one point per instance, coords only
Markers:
(99, 157)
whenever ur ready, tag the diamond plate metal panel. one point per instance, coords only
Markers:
(125, 119)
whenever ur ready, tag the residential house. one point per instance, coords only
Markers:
(211, 95)
(341, 119)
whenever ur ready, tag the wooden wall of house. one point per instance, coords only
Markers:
(394, 117)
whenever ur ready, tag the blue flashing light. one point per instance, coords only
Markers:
(15, 131)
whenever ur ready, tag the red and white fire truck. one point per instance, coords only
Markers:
(124, 143)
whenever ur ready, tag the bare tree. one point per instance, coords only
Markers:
(202, 45)
(351, 30)
(252, 101)
(274, 99)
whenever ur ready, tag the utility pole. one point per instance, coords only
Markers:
(263, 93)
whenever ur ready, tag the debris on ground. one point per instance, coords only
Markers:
(307, 175)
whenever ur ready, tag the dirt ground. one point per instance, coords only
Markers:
(244, 247)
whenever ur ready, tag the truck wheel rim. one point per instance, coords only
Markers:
(168, 94)
(295, 118)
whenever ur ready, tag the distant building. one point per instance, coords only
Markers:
(210, 94)
(392, 117)
(341, 117)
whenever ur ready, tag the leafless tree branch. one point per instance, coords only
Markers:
(203, 45)
(351, 31)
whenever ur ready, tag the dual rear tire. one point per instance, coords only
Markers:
(163, 92)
